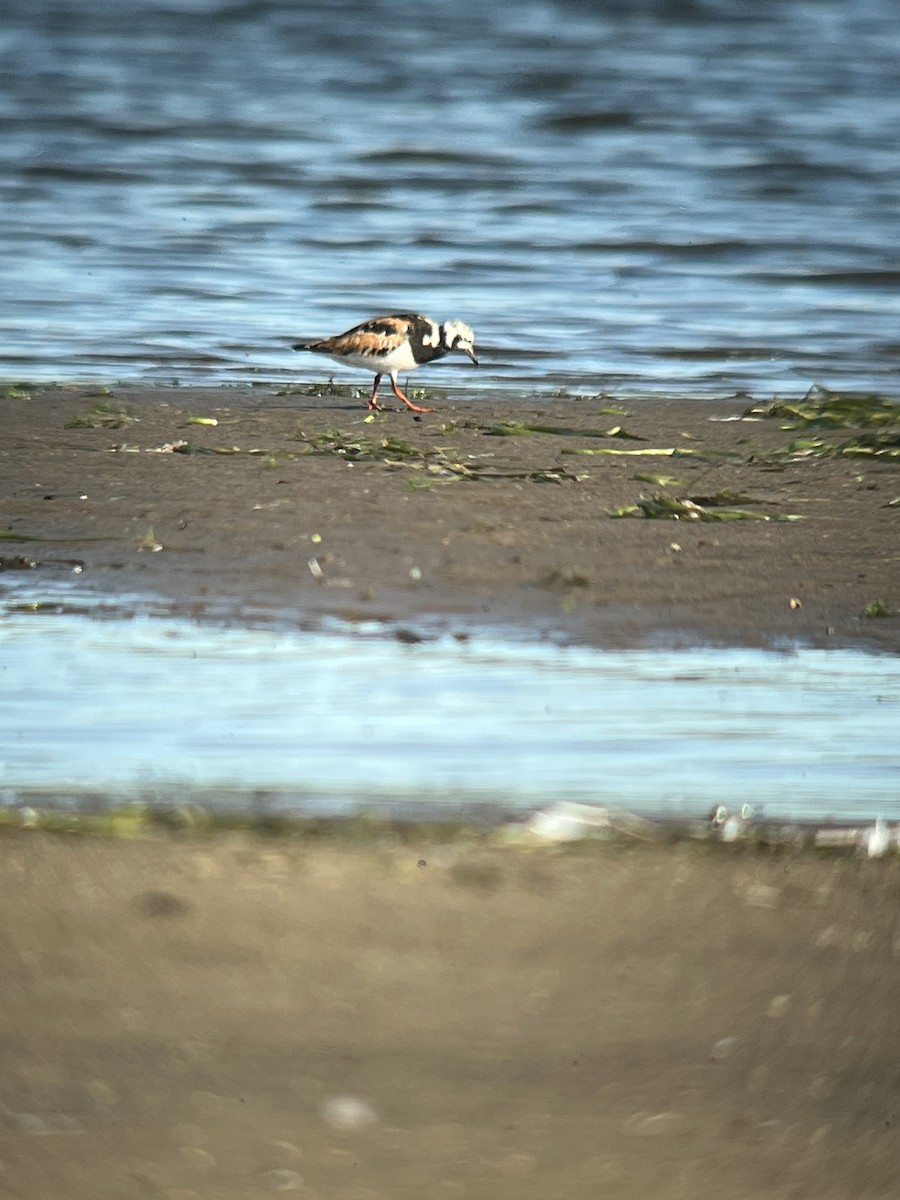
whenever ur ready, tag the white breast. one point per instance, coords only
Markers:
(399, 359)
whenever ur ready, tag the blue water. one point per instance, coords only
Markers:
(620, 196)
(156, 708)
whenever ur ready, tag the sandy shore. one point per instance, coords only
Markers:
(196, 1019)
(233, 1017)
(295, 504)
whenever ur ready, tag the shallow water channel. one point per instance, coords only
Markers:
(160, 708)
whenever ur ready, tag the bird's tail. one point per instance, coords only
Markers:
(302, 346)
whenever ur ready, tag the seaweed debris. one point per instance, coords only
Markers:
(102, 416)
(394, 453)
(875, 418)
(662, 507)
(523, 429)
(874, 609)
(836, 410)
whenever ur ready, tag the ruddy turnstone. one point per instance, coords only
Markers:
(388, 345)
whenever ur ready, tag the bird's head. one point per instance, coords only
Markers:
(457, 336)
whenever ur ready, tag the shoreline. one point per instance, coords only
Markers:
(362, 1010)
(574, 827)
(493, 514)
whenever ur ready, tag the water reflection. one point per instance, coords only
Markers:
(331, 721)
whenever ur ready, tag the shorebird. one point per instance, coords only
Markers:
(388, 345)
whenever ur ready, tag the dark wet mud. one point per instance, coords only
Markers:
(692, 520)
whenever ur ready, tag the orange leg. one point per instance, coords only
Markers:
(373, 399)
(409, 404)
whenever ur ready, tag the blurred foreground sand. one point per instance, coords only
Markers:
(234, 1017)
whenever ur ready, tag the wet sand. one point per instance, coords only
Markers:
(233, 1017)
(194, 1019)
(521, 537)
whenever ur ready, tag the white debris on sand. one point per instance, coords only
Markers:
(567, 821)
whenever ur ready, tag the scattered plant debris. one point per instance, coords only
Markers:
(654, 451)
(523, 429)
(555, 577)
(320, 389)
(663, 481)
(821, 407)
(102, 416)
(875, 608)
(662, 507)
(881, 445)
(396, 452)
(877, 419)
(726, 496)
(149, 542)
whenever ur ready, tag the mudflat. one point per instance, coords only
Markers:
(208, 1017)
(494, 511)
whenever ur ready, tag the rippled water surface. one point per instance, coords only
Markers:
(334, 721)
(633, 195)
